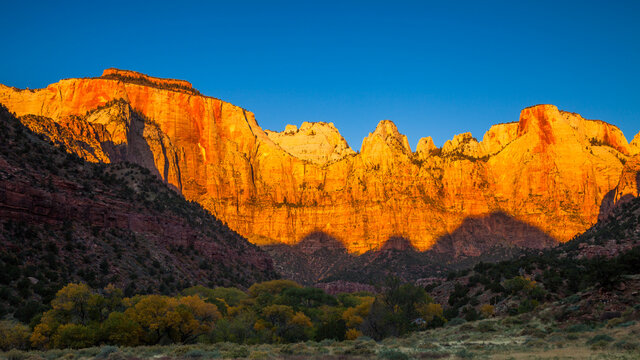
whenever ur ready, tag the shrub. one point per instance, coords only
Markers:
(194, 354)
(578, 328)
(614, 322)
(465, 354)
(359, 349)
(13, 335)
(15, 355)
(527, 306)
(486, 326)
(456, 321)
(600, 338)
(626, 324)
(105, 351)
(626, 345)
(391, 354)
(353, 334)
(487, 310)
(238, 352)
(260, 355)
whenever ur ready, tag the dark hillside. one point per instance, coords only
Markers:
(66, 220)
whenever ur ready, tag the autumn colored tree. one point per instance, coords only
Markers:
(431, 313)
(72, 304)
(354, 316)
(353, 334)
(274, 311)
(487, 310)
(265, 292)
(13, 335)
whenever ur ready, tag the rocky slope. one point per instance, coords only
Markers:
(600, 266)
(550, 170)
(63, 219)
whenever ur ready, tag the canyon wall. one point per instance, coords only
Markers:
(551, 169)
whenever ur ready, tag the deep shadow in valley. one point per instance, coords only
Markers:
(319, 257)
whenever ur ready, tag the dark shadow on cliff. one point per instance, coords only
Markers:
(609, 203)
(320, 257)
(138, 151)
(397, 243)
(319, 241)
(317, 255)
(476, 236)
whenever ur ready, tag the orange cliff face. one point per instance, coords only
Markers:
(550, 169)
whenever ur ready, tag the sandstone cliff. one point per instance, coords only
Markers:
(318, 143)
(635, 144)
(425, 145)
(628, 188)
(550, 170)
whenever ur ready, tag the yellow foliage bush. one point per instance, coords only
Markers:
(353, 334)
(13, 335)
(487, 310)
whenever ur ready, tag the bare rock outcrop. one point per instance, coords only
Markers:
(462, 145)
(635, 144)
(425, 145)
(317, 142)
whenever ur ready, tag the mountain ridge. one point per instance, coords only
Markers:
(222, 159)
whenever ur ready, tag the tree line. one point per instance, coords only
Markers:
(277, 311)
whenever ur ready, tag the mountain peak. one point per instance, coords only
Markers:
(317, 142)
(463, 143)
(137, 77)
(385, 146)
(425, 145)
(387, 132)
(539, 119)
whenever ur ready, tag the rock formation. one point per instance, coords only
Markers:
(425, 145)
(462, 145)
(318, 142)
(550, 170)
(635, 144)
(628, 187)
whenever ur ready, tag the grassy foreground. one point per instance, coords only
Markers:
(517, 337)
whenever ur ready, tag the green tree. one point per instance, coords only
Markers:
(74, 336)
(120, 330)
(395, 311)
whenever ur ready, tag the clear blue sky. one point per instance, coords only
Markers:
(434, 68)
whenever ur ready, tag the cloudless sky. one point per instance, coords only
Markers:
(434, 68)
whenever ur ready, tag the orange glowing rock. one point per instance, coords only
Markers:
(551, 169)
